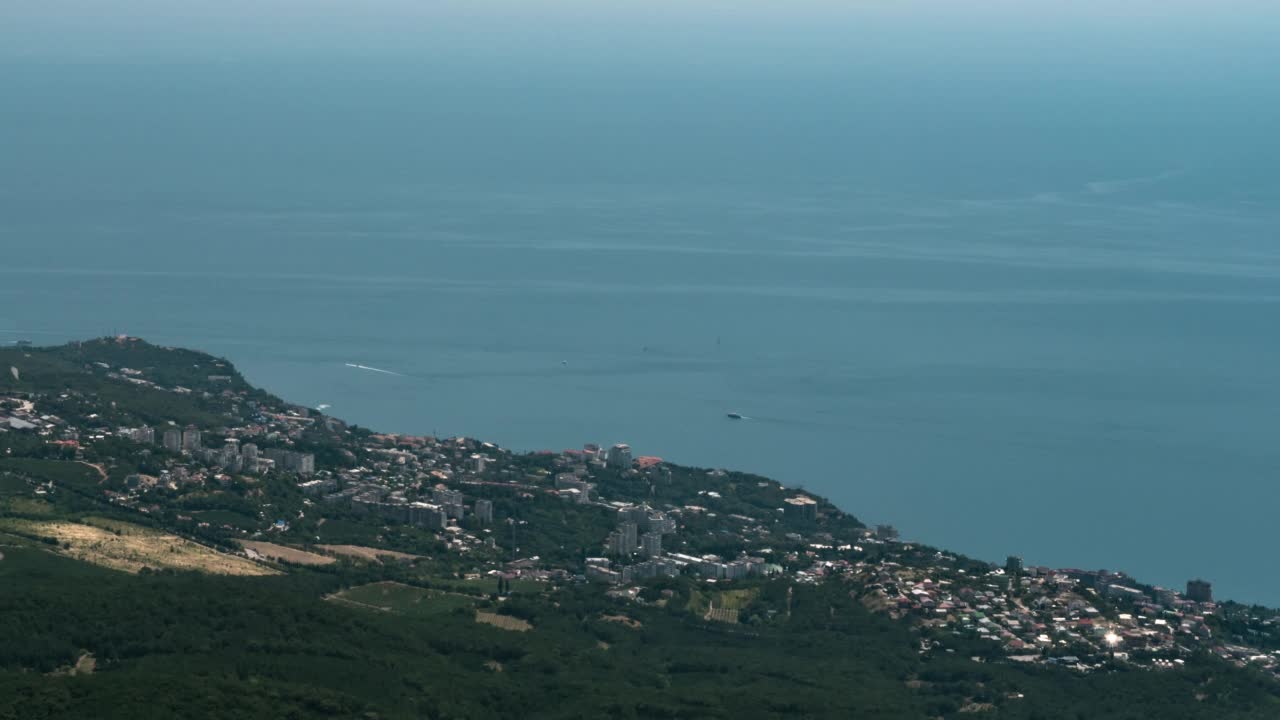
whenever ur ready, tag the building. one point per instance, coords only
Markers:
(661, 523)
(581, 488)
(289, 460)
(737, 570)
(637, 514)
(630, 536)
(602, 573)
(318, 487)
(172, 439)
(142, 434)
(615, 544)
(886, 532)
(1118, 591)
(1013, 565)
(249, 458)
(449, 500)
(619, 456)
(484, 511)
(651, 544)
(191, 438)
(801, 508)
(657, 567)
(427, 515)
(1199, 591)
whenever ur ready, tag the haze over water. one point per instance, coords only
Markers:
(1004, 276)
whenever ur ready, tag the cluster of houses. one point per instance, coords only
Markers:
(19, 415)
(1032, 614)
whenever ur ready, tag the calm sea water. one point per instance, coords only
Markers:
(1009, 309)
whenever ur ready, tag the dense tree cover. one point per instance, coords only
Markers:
(189, 645)
(77, 387)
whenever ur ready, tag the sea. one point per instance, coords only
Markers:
(1006, 278)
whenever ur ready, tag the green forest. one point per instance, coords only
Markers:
(170, 644)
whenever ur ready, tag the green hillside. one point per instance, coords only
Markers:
(103, 614)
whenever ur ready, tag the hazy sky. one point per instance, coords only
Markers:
(945, 83)
(739, 29)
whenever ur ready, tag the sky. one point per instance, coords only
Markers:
(739, 29)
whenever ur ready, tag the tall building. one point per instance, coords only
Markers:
(615, 543)
(427, 515)
(637, 514)
(619, 456)
(1013, 565)
(801, 508)
(289, 460)
(228, 455)
(484, 511)
(449, 500)
(651, 544)
(1200, 591)
(630, 539)
(172, 439)
(191, 438)
(249, 457)
(660, 523)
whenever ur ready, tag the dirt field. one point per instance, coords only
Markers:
(366, 553)
(130, 548)
(286, 554)
(506, 622)
(623, 620)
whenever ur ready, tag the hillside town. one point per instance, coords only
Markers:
(485, 506)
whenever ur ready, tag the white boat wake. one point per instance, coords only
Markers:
(374, 369)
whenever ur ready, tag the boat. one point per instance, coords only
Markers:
(735, 416)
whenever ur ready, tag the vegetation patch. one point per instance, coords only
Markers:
(72, 474)
(401, 599)
(726, 605)
(230, 518)
(84, 665)
(26, 506)
(623, 620)
(283, 553)
(130, 548)
(506, 622)
(11, 484)
(366, 553)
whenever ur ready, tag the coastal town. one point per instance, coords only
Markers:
(267, 477)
